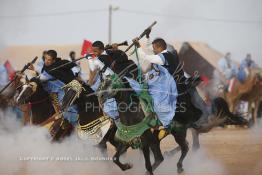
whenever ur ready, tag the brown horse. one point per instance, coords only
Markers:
(240, 89)
(42, 109)
(7, 97)
(253, 97)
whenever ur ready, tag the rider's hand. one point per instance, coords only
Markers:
(147, 31)
(136, 42)
(115, 46)
(31, 67)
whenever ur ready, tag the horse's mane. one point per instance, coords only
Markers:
(128, 96)
(41, 104)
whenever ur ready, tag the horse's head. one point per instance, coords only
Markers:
(109, 87)
(27, 90)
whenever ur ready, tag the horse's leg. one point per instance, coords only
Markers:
(155, 148)
(167, 153)
(256, 110)
(251, 120)
(26, 114)
(195, 136)
(102, 147)
(111, 137)
(181, 141)
(146, 154)
(120, 150)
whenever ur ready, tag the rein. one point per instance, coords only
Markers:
(39, 101)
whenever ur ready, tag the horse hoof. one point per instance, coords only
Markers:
(127, 166)
(180, 170)
(156, 164)
(167, 154)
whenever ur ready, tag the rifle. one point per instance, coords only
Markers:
(22, 71)
(125, 43)
(141, 35)
(62, 65)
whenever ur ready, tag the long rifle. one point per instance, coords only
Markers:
(62, 65)
(22, 71)
(125, 43)
(142, 35)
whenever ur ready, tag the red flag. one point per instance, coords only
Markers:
(205, 79)
(86, 47)
(10, 70)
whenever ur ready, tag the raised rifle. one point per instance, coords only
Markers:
(22, 71)
(141, 35)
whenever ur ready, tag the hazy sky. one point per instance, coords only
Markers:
(226, 25)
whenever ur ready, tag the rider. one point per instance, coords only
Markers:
(161, 85)
(245, 65)
(228, 69)
(170, 61)
(54, 80)
(99, 68)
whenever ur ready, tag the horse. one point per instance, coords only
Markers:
(215, 110)
(43, 110)
(253, 97)
(7, 98)
(132, 119)
(240, 89)
(7, 95)
(92, 123)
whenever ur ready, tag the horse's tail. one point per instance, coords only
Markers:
(221, 116)
(220, 110)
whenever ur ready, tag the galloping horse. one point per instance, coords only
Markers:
(92, 123)
(254, 96)
(215, 112)
(240, 89)
(42, 109)
(135, 122)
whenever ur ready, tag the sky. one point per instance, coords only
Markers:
(226, 25)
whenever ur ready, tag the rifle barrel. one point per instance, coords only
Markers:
(141, 35)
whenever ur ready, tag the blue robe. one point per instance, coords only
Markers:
(3, 76)
(110, 106)
(228, 68)
(245, 64)
(55, 86)
(163, 90)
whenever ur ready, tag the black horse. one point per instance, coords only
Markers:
(219, 115)
(42, 109)
(131, 114)
(91, 119)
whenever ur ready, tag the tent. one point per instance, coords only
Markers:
(197, 56)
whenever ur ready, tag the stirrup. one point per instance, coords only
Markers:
(162, 133)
